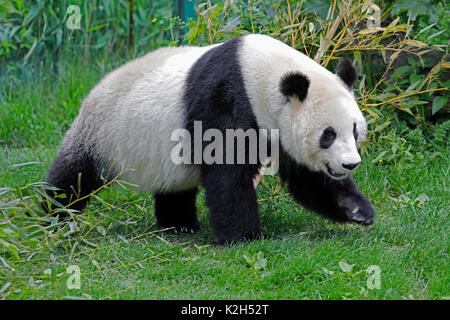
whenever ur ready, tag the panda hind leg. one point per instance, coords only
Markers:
(177, 210)
(76, 176)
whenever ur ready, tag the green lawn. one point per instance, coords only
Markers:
(122, 255)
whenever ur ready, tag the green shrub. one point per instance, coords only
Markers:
(391, 96)
(39, 28)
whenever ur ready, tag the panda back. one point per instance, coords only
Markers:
(127, 120)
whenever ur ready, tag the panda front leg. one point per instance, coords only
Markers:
(177, 210)
(231, 199)
(338, 200)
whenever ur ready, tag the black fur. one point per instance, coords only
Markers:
(327, 138)
(294, 83)
(177, 210)
(77, 175)
(347, 72)
(215, 94)
(355, 132)
(334, 199)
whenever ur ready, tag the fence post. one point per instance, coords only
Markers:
(189, 10)
(130, 25)
(186, 10)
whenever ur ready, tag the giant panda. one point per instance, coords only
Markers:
(250, 82)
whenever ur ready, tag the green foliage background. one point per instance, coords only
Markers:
(34, 35)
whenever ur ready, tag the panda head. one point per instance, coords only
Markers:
(321, 125)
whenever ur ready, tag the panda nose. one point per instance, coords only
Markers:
(350, 166)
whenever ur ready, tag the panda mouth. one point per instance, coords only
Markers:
(332, 173)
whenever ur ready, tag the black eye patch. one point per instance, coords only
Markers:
(327, 138)
(355, 131)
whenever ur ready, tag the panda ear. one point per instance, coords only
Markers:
(294, 84)
(347, 72)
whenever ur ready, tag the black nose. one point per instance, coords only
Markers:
(350, 166)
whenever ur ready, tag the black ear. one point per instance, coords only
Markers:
(294, 84)
(347, 72)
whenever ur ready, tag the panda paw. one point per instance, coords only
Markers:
(357, 208)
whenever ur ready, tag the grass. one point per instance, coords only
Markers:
(122, 254)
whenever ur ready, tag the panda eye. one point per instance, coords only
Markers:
(327, 138)
(355, 131)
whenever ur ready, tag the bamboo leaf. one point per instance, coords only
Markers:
(414, 43)
(371, 30)
(439, 103)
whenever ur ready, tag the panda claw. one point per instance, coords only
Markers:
(358, 217)
(184, 230)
